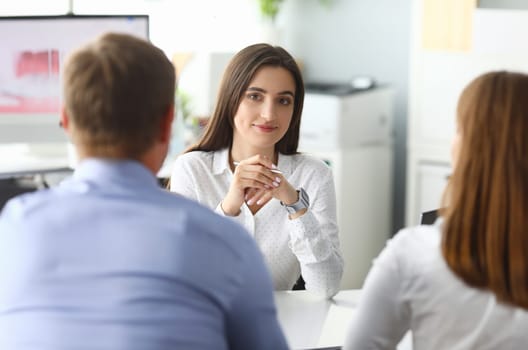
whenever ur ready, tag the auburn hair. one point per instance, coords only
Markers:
(485, 238)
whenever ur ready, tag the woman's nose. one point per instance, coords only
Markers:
(268, 110)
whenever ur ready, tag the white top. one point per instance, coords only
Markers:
(411, 287)
(308, 243)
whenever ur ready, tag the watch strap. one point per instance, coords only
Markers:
(302, 203)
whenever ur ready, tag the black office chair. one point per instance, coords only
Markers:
(299, 285)
(12, 187)
(429, 217)
(163, 182)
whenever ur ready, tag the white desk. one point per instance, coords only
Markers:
(22, 159)
(312, 322)
(19, 159)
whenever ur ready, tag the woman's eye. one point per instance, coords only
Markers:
(255, 97)
(285, 101)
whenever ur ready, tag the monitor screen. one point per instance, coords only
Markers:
(32, 52)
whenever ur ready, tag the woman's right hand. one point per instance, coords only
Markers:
(252, 173)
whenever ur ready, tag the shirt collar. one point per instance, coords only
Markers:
(221, 162)
(126, 171)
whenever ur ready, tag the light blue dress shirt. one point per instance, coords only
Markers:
(109, 260)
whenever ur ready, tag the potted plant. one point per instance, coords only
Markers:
(270, 8)
(192, 124)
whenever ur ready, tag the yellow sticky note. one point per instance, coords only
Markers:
(447, 24)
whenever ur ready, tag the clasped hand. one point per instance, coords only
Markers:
(255, 183)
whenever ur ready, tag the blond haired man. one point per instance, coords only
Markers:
(108, 259)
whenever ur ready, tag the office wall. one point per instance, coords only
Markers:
(175, 25)
(438, 76)
(357, 37)
(32, 7)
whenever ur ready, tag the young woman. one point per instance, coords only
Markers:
(246, 166)
(463, 283)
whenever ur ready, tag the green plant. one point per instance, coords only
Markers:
(183, 100)
(326, 3)
(270, 8)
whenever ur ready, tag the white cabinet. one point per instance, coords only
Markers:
(431, 182)
(427, 175)
(353, 134)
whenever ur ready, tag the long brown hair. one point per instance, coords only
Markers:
(485, 239)
(240, 71)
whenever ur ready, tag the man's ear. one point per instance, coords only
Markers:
(166, 125)
(65, 121)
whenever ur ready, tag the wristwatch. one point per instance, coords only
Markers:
(302, 203)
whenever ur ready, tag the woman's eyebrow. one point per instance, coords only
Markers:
(285, 92)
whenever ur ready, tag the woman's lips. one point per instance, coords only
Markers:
(265, 128)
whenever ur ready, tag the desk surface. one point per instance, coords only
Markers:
(309, 321)
(20, 159)
(312, 322)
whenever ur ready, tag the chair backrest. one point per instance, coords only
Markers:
(299, 285)
(429, 217)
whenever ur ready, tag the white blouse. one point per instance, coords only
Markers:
(308, 244)
(410, 287)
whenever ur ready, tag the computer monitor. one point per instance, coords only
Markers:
(32, 52)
